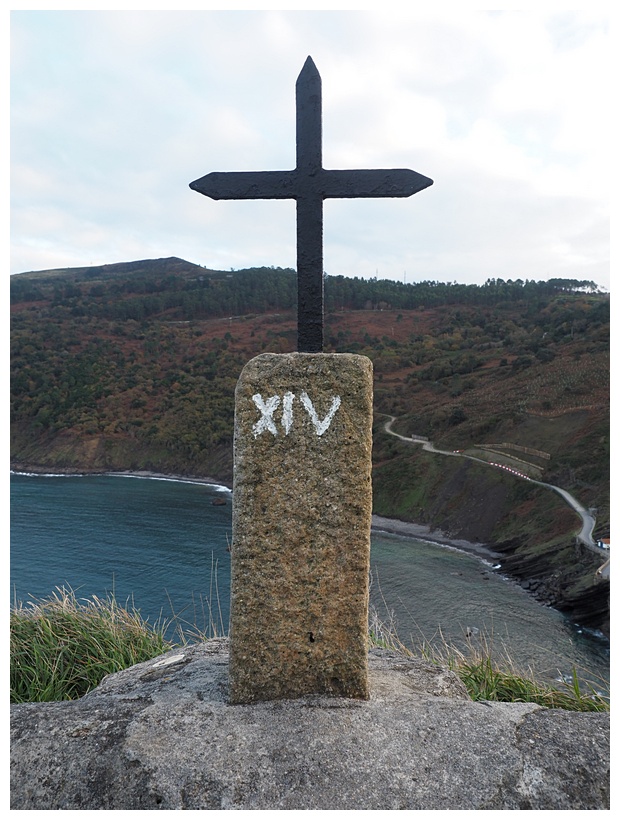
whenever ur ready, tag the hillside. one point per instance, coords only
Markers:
(133, 366)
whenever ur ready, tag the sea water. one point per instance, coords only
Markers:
(163, 545)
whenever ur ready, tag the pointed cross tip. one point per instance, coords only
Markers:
(308, 68)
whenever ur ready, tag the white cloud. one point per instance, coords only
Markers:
(114, 113)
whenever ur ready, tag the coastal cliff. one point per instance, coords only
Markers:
(531, 530)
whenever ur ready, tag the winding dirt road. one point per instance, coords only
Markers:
(587, 519)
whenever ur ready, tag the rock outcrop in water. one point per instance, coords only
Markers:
(161, 735)
(573, 588)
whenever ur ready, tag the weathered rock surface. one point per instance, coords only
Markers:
(162, 735)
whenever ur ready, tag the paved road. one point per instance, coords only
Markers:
(603, 572)
(587, 519)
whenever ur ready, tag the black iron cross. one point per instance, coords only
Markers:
(309, 184)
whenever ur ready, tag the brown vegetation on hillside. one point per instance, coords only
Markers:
(133, 367)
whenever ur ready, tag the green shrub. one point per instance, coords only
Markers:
(62, 647)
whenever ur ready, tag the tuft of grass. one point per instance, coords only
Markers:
(489, 676)
(62, 647)
(488, 679)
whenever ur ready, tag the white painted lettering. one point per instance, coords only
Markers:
(268, 408)
(320, 426)
(287, 411)
(265, 422)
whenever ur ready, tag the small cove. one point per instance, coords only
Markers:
(163, 545)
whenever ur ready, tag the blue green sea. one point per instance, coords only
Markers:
(162, 545)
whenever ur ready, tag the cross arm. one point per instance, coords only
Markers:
(247, 185)
(394, 182)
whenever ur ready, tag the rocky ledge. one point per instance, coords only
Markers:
(161, 735)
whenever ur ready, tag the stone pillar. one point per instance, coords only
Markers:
(302, 502)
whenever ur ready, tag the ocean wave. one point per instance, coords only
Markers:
(178, 479)
(52, 475)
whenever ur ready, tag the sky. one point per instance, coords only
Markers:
(114, 113)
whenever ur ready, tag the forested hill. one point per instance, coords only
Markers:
(182, 290)
(141, 358)
(133, 366)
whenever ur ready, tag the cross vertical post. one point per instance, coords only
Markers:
(309, 211)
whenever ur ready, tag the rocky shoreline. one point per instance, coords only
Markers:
(394, 526)
(76, 471)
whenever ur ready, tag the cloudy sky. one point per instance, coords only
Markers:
(114, 113)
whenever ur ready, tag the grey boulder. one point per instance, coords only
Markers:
(162, 735)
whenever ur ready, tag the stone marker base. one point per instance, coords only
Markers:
(302, 503)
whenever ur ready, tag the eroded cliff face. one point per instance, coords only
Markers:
(70, 452)
(163, 735)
